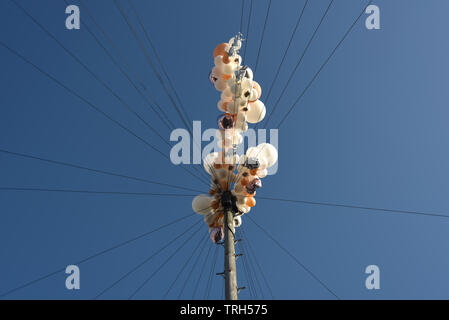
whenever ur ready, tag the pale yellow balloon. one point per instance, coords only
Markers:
(201, 204)
(256, 111)
(269, 152)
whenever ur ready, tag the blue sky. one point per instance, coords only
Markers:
(371, 131)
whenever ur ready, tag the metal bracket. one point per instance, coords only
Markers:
(240, 289)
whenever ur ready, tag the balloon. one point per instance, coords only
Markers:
(221, 50)
(249, 74)
(244, 208)
(209, 160)
(213, 78)
(220, 85)
(236, 60)
(209, 218)
(202, 204)
(252, 152)
(250, 201)
(262, 173)
(216, 235)
(247, 84)
(227, 93)
(256, 111)
(218, 61)
(229, 68)
(256, 93)
(268, 152)
(222, 105)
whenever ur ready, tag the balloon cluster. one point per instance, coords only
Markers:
(234, 179)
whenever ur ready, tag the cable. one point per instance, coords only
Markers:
(247, 29)
(241, 17)
(191, 270)
(249, 279)
(298, 63)
(329, 204)
(323, 65)
(164, 119)
(251, 265)
(96, 77)
(286, 50)
(145, 261)
(96, 192)
(148, 58)
(164, 71)
(96, 255)
(202, 241)
(94, 107)
(66, 164)
(263, 35)
(150, 61)
(163, 264)
(201, 273)
(209, 282)
(258, 265)
(294, 258)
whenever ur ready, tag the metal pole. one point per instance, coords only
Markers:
(230, 269)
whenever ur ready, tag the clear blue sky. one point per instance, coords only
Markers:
(371, 131)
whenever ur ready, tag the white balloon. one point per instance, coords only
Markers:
(217, 71)
(254, 95)
(244, 208)
(226, 94)
(229, 68)
(269, 152)
(201, 204)
(247, 84)
(219, 61)
(263, 163)
(252, 152)
(220, 106)
(209, 160)
(256, 111)
(249, 74)
(220, 85)
(262, 173)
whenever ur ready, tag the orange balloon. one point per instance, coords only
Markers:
(253, 172)
(226, 58)
(220, 50)
(244, 181)
(246, 194)
(227, 76)
(250, 202)
(217, 165)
